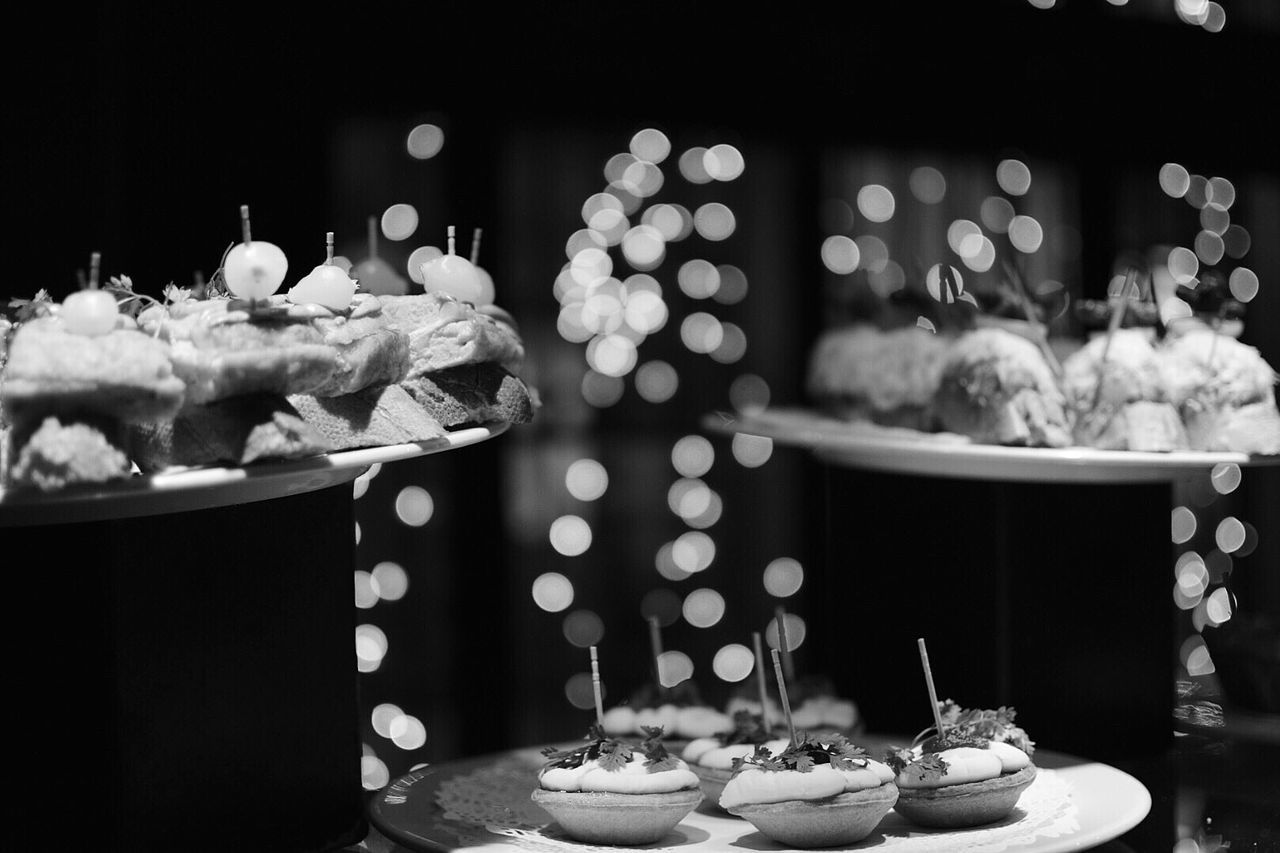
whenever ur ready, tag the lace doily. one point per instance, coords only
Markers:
(494, 801)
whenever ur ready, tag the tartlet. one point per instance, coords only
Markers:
(815, 793)
(612, 792)
(712, 758)
(971, 775)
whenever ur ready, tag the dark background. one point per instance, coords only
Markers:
(138, 130)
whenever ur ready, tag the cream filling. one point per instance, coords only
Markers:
(631, 778)
(1011, 758)
(755, 785)
(964, 764)
(708, 752)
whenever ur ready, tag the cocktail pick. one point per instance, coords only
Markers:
(782, 692)
(655, 643)
(475, 246)
(780, 616)
(928, 680)
(595, 688)
(1024, 300)
(95, 264)
(760, 682)
(328, 247)
(373, 236)
(1119, 304)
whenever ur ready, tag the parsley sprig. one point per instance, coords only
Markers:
(806, 754)
(747, 728)
(612, 753)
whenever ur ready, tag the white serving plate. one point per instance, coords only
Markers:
(907, 451)
(483, 804)
(184, 489)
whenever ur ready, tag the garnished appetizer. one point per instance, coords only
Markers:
(814, 792)
(970, 771)
(609, 791)
(713, 758)
(677, 710)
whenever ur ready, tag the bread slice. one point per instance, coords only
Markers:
(374, 417)
(444, 333)
(472, 394)
(236, 431)
(1134, 426)
(1253, 428)
(125, 374)
(61, 451)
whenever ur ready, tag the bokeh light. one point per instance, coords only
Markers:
(1218, 606)
(1183, 265)
(1236, 241)
(552, 592)
(723, 162)
(874, 251)
(642, 178)
(1199, 193)
(701, 332)
(673, 221)
(425, 141)
(1225, 477)
(666, 566)
(1219, 565)
(795, 632)
(399, 221)
(371, 647)
(650, 144)
(1209, 248)
(583, 628)
(783, 577)
(382, 716)
(927, 184)
(570, 535)
(688, 496)
(366, 595)
(417, 258)
(692, 456)
(407, 732)
(733, 285)
(357, 533)
(580, 691)
(934, 284)
(1183, 524)
(390, 581)
(1174, 180)
(612, 355)
(374, 774)
(1025, 234)
(714, 221)
(664, 604)
(692, 166)
(1215, 219)
(644, 247)
(1243, 284)
(586, 479)
(709, 516)
(1013, 176)
(703, 608)
(840, 254)
(656, 381)
(733, 344)
(749, 394)
(887, 281)
(673, 668)
(1230, 534)
(698, 279)
(751, 451)
(693, 551)
(414, 506)
(601, 391)
(876, 203)
(733, 662)
(996, 213)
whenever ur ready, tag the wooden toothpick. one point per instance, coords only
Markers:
(782, 692)
(373, 236)
(95, 263)
(655, 642)
(1118, 306)
(328, 247)
(780, 615)
(928, 679)
(595, 687)
(451, 233)
(245, 236)
(760, 682)
(475, 247)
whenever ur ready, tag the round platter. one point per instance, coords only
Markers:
(184, 489)
(484, 803)
(908, 451)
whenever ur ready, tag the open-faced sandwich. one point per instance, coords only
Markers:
(1224, 390)
(1116, 390)
(997, 388)
(971, 774)
(712, 758)
(813, 793)
(609, 791)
